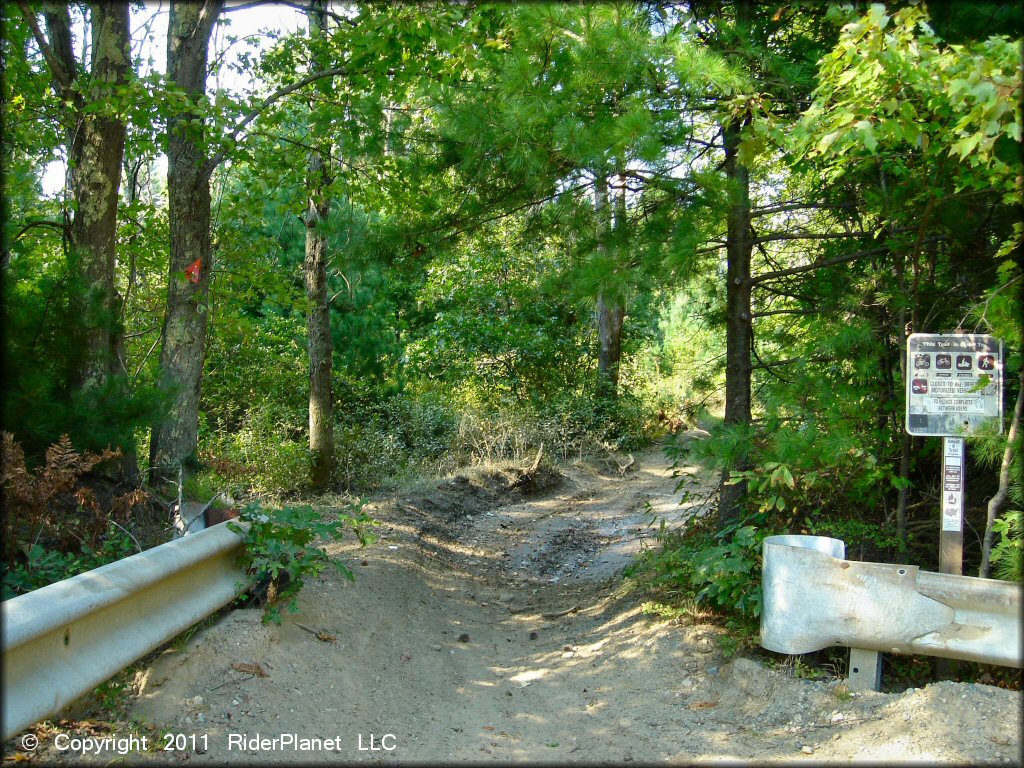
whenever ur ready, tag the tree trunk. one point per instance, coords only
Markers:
(608, 313)
(95, 160)
(321, 349)
(609, 333)
(906, 444)
(183, 341)
(906, 441)
(739, 330)
(95, 145)
(996, 503)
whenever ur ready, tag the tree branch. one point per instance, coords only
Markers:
(809, 236)
(770, 312)
(817, 265)
(58, 225)
(297, 6)
(57, 66)
(791, 360)
(996, 503)
(786, 208)
(761, 364)
(218, 158)
(826, 263)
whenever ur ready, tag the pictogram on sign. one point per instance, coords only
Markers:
(954, 383)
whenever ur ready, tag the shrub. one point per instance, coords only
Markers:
(719, 570)
(274, 462)
(864, 541)
(1008, 553)
(283, 547)
(365, 455)
(47, 566)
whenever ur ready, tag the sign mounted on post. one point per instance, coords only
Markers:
(953, 484)
(954, 383)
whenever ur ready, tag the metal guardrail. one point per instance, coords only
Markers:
(815, 598)
(64, 639)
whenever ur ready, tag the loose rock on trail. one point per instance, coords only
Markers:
(488, 623)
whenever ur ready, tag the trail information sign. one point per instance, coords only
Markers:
(954, 383)
(953, 484)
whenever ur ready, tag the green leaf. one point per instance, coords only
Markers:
(877, 16)
(983, 381)
(868, 135)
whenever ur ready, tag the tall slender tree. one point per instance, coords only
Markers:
(739, 330)
(183, 340)
(318, 318)
(738, 247)
(608, 309)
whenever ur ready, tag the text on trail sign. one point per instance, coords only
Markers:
(953, 484)
(954, 382)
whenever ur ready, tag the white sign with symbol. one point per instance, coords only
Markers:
(954, 382)
(953, 484)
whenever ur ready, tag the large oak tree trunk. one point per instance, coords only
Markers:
(321, 350)
(95, 169)
(95, 142)
(183, 342)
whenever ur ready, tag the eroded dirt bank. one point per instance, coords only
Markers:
(488, 625)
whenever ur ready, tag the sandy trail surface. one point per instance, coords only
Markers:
(489, 624)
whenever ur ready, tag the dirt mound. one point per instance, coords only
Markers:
(445, 511)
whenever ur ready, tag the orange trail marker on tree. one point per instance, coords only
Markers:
(192, 270)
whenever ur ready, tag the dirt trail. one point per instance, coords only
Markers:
(487, 624)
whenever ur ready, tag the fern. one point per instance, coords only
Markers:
(54, 505)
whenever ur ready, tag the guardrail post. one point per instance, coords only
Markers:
(865, 673)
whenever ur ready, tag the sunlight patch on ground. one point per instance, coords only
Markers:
(529, 676)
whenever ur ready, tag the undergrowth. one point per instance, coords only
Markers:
(285, 546)
(384, 445)
(64, 517)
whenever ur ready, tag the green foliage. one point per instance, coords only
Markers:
(717, 569)
(112, 695)
(665, 610)
(864, 541)
(368, 454)
(498, 324)
(1008, 553)
(814, 480)
(264, 452)
(40, 398)
(285, 546)
(725, 573)
(989, 446)
(46, 566)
